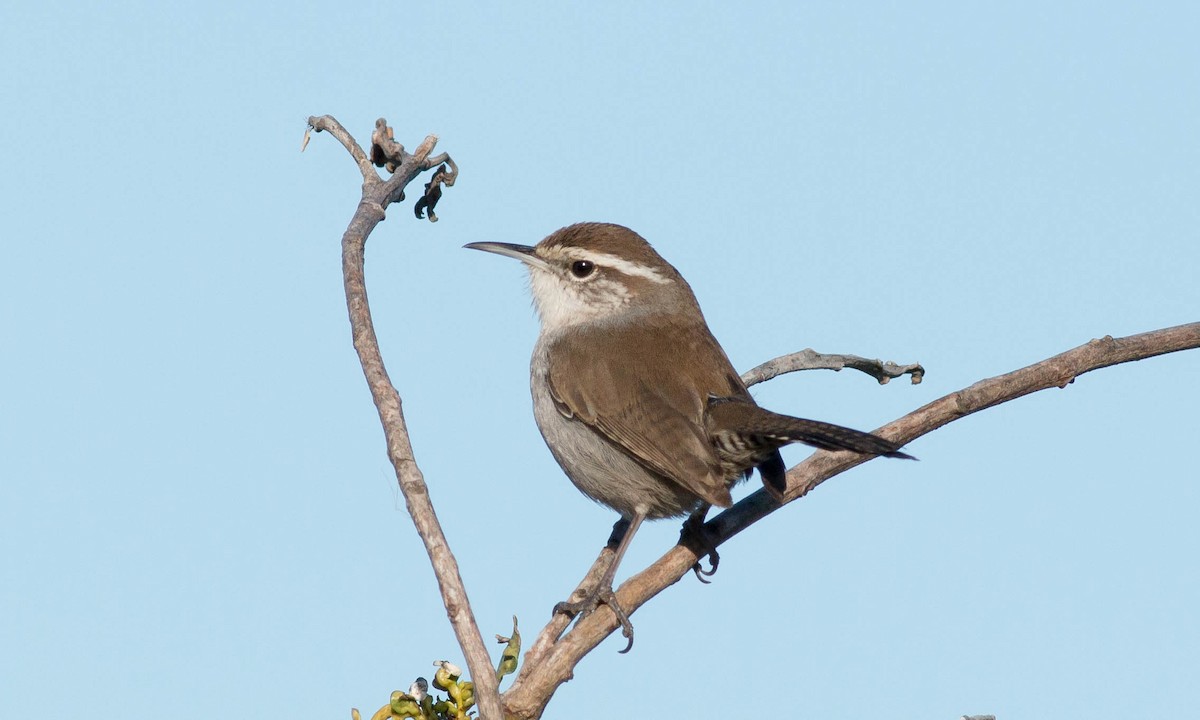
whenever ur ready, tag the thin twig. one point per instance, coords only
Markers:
(327, 123)
(532, 690)
(559, 622)
(809, 359)
(376, 196)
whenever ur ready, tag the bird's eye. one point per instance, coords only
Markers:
(582, 268)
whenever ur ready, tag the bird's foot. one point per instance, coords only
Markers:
(693, 536)
(586, 606)
(714, 559)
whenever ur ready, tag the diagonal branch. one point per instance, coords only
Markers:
(556, 660)
(377, 194)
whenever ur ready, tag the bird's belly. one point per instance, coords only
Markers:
(602, 470)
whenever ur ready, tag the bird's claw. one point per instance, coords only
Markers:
(714, 559)
(586, 606)
(695, 536)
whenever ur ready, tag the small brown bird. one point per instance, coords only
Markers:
(634, 396)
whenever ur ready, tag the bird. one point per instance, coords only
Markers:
(636, 400)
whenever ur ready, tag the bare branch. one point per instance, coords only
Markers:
(537, 655)
(326, 123)
(376, 196)
(556, 660)
(385, 151)
(421, 154)
(443, 158)
(810, 359)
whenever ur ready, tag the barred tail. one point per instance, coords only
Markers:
(743, 427)
(828, 436)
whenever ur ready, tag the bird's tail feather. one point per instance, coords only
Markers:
(758, 428)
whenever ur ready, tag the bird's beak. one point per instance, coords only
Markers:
(524, 253)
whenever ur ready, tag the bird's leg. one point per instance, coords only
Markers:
(625, 529)
(693, 536)
(620, 528)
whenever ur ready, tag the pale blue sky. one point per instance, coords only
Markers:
(196, 513)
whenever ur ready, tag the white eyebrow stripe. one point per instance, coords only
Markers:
(620, 264)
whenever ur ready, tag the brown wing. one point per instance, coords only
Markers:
(656, 416)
